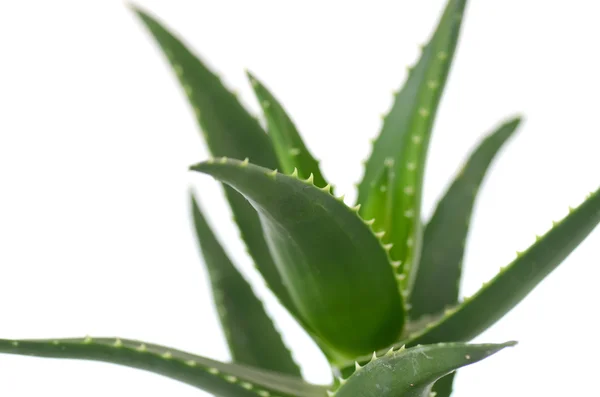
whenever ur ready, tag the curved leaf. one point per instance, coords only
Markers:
(404, 140)
(289, 147)
(335, 268)
(228, 130)
(221, 379)
(439, 271)
(437, 282)
(412, 372)
(250, 333)
(514, 282)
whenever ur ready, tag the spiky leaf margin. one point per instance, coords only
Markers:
(337, 271)
(221, 379)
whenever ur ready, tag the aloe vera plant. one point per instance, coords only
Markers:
(374, 285)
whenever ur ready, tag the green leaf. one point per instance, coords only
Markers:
(220, 379)
(412, 372)
(514, 282)
(250, 333)
(289, 147)
(229, 131)
(335, 268)
(404, 141)
(438, 277)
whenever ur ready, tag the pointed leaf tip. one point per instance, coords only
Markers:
(301, 224)
(290, 149)
(440, 266)
(222, 379)
(414, 372)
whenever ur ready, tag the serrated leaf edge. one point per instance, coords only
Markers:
(378, 234)
(164, 354)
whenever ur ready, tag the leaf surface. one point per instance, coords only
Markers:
(228, 130)
(218, 378)
(412, 372)
(250, 333)
(335, 268)
(404, 142)
(289, 147)
(439, 271)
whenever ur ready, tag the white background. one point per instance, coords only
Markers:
(96, 137)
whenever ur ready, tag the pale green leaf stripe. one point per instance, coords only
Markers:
(336, 269)
(412, 372)
(220, 379)
(250, 333)
(438, 277)
(229, 130)
(404, 141)
(289, 147)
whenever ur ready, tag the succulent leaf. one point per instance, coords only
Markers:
(221, 379)
(250, 333)
(335, 268)
(289, 147)
(229, 130)
(404, 140)
(439, 271)
(514, 282)
(437, 282)
(412, 372)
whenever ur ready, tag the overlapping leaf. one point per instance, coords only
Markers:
(250, 333)
(512, 284)
(515, 281)
(412, 372)
(289, 147)
(335, 268)
(439, 271)
(221, 379)
(228, 130)
(404, 142)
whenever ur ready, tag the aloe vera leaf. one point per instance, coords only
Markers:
(218, 378)
(229, 130)
(289, 147)
(511, 285)
(439, 271)
(336, 269)
(437, 284)
(412, 372)
(250, 333)
(404, 140)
